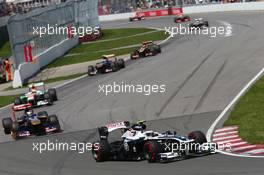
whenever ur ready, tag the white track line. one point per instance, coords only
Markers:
(70, 81)
(4, 107)
(227, 108)
(250, 83)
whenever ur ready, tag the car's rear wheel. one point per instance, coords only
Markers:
(159, 49)
(101, 152)
(135, 53)
(7, 125)
(18, 101)
(155, 49)
(151, 150)
(198, 137)
(14, 130)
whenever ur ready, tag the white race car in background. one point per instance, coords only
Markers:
(137, 16)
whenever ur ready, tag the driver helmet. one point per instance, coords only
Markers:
(105, 58)
(34, 88)
(28, 112)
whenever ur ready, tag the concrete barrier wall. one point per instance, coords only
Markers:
(32, 52)
(26, 70)
(246, 6)
(116, 16)
(198, 9)
(145, 13)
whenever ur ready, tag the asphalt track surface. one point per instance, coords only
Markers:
(202, 75)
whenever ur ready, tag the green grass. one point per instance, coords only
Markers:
(88, 57)
(91, 49)
(6, 100)
(116, 33)
(52, 80)
(5, 50)
(249, 114)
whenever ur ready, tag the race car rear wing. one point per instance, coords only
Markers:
(21, 107)
(105, 130)
(36, 84)
(118, 125)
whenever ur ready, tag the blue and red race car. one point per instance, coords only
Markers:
(29, 123)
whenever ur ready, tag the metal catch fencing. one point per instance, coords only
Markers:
(42, 35)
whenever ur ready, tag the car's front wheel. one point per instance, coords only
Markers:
(53, 94)
(48, 98)
(151, 150)
(121, 63)
(7, 125)
(54, 121)
(91, 70)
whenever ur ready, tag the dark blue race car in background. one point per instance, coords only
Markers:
(29, 123)
(109, 64)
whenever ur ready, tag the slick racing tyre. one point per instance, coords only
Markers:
(121, 63)
(206, 24)
(134, 55)
(53, 94)
(48, 98)
(159, 49)
(54, 121)
(151, 150)
(14, 130)
(7, 125)
(198, 137)
(102, 152)
(114, 66)
(91, 70)
(18, 101)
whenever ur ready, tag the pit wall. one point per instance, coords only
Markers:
(245, 6)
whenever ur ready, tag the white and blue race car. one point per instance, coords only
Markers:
(138, 144)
